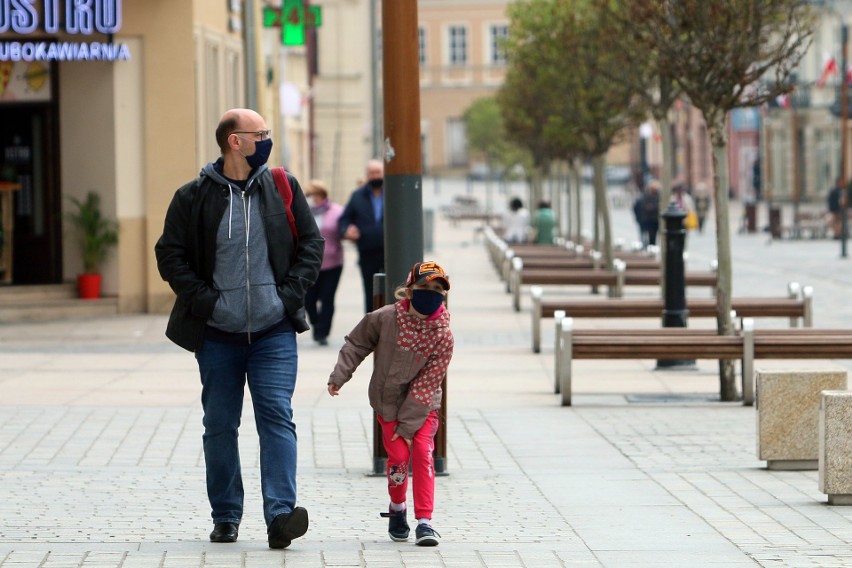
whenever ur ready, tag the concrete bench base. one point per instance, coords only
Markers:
(788, 403)
(835, 446)
(792, 465)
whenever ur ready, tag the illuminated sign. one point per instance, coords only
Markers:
(73, 17)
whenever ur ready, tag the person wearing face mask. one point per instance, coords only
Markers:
(362, 221)
(240, 275)
(412, 346)
(319, 301)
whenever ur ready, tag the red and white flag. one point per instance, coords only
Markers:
(783, 101)
(829, 68)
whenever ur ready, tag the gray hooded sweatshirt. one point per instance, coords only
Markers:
(248, 298)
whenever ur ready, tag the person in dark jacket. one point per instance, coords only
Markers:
(240, 275)
(362, 221)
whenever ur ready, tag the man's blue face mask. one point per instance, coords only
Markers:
(262, 150)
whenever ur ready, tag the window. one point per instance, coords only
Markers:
(421, 41)
(498, 34)
(458, 45)
(456, 146)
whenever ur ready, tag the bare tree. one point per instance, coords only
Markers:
(639, 43)
(727, 55)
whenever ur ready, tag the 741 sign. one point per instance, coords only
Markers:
(292, 18)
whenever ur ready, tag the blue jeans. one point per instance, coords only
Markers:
(270, 366)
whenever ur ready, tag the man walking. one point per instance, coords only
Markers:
(240, 272)
(362, 221)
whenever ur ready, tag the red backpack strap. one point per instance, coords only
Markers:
(280, 177)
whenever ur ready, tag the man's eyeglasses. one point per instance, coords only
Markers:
(261, 134)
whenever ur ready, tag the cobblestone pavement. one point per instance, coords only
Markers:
(101, 463)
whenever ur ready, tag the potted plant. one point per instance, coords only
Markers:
(95, 235)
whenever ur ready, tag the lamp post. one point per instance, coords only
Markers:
(844, 115)
(844, 135)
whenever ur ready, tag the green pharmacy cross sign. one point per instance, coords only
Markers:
(292, 18)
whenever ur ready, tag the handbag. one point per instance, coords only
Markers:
(690, 223)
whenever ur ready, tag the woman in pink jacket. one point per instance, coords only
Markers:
(412, 346)
(319, 300)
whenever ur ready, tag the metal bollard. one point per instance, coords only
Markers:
(675, 311)
(380, 456)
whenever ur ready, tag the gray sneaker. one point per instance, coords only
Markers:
(397, 524)
(426, 536)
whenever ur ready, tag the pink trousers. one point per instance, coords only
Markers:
(421, 458)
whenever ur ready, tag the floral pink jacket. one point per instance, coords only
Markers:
(409, 365)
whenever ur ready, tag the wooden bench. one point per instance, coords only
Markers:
(499, 251)
(615, 280)
(798, 305)
(685, 343)
(561, 263)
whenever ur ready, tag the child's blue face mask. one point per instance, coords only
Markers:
(426, 302)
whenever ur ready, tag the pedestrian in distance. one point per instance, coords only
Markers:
(682, 198)
(240, 266)
(319, 300)
(516, 222)
(834, 204)
(650, 213)
(543, 223)
(362, 221)
(412, 346)
(702, 204)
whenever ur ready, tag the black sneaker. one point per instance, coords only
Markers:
(426, 536)
(397, 524)
(287, 526)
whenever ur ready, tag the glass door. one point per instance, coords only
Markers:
(29, 160)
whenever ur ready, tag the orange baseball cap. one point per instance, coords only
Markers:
(426, 271)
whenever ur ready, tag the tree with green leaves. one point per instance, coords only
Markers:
(486, 136)
(560, 93)
(726, 55)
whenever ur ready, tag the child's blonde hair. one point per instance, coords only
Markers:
(401, 292)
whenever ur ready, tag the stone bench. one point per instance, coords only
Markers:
(788, 403)
(835, 446)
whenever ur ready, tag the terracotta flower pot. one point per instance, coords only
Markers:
(89, 286)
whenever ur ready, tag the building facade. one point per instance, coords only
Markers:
(119, 97)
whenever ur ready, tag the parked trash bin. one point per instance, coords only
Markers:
(751, 216)
(775, 221)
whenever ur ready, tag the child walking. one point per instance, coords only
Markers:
(413, 345)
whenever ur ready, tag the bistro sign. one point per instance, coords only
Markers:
(72, 17)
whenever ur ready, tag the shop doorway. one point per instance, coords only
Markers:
(29, 158)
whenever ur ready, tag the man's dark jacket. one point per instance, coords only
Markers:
(359, 212)
(186, 252)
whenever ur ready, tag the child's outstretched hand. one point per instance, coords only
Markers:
(333, 389)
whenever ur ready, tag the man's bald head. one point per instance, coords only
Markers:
(232, 120)
(375, 169)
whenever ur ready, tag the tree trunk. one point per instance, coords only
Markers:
(724, 285)
(578, 201)
(665, 193)
(536, 181)
(565, 220)
(602, 208)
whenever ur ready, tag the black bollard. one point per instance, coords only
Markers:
(675, 312)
